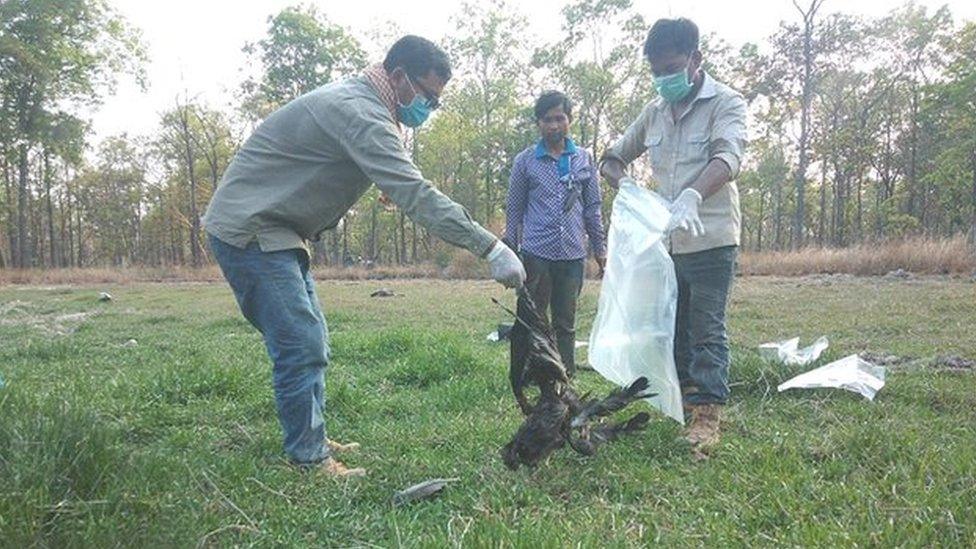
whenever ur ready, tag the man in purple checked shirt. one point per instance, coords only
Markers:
(553, 206)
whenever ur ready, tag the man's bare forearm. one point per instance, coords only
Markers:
(612, 170)
(713, 177)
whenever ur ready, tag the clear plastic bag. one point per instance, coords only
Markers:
(852, 373)
(789, 353)
(633, 334)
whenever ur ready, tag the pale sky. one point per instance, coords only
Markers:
(195, 45)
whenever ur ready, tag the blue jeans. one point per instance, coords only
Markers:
(701, 343)
(276, 293)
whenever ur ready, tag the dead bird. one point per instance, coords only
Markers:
(559, 416)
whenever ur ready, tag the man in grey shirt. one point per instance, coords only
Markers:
(694, 134)
(295, 177)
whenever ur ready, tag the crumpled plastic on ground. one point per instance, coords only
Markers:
(633, 333)
(852, 373)
(787, 351)
(501, 334)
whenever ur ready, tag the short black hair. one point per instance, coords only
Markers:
(549, 100)
(671, 36)
(418, 56)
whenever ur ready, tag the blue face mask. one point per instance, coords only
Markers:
(416, 113)
(673, 87)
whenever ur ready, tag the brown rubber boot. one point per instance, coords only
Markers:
(703, 430)
(335, 447)
(334, 468)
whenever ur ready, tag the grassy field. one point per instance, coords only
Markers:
(171, 439)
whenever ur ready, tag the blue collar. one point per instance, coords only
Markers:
(540, 148)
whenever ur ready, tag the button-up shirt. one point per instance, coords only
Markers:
(310, 161)
(554, 204)
(713, 126)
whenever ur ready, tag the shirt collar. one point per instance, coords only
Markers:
(540, 148)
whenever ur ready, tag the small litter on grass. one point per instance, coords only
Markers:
(954, 363)
(423, 490)
(884, 359)
(104, 296)
(581, 344)
(787, 351)
(130, 343)
(899, 274)
(852, 373)
(1, 382)
(501, 334)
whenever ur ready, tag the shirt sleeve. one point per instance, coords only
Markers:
(373, 144)
(727, 139)
(518, 198)
(592, 214)
(631, 144)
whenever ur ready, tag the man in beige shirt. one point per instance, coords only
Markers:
(295, 177)
(694, 134)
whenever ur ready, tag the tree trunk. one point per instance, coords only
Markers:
(972, 218)
(413, 242)
(24, 252)
(191, 176)
(913, 152)
(822, 225)
(63, 234)
(345, 240)
(801, 171)
(11, 214)
(80, 262)
(403, 237)
(778, 215)
(372, 232)
(50, 210)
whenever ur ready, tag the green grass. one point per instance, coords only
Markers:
(174, 441)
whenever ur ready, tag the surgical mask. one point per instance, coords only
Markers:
(673, 87)
(416, 113)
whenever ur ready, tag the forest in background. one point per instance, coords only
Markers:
(863, 130)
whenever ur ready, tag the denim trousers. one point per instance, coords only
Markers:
(276, 294)
(556, 285)
(701, 341)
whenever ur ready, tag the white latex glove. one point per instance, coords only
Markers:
(506, 267)
(684, 213)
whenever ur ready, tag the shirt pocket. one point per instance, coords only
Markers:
(696, 148)
(654, 142)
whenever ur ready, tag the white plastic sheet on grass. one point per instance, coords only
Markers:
(633, 333)
(852, 373)
(788, 352)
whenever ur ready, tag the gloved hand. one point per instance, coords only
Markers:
(506, 267)
(684, 213)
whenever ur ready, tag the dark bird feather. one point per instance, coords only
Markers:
(559, 415)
